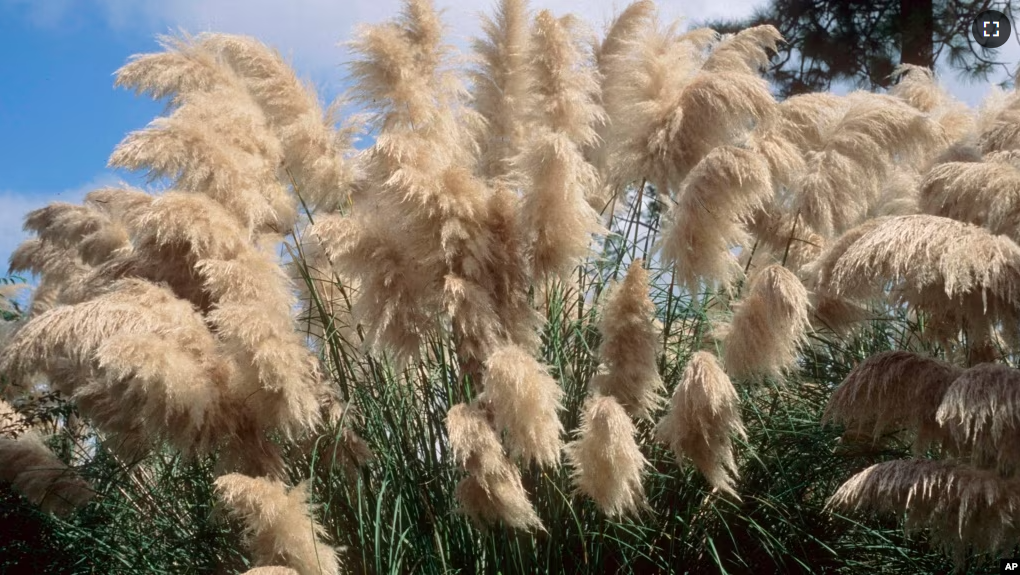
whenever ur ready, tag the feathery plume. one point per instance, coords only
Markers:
(414, 239)
(614, 60)
(808, 119)
(630, 343)
(135, 360)
(556, 216)
(998, 123)
(33, 470)
(642, 88)
(503, 87)
(507, 274)
(492, 490)
(843, 178)
(60, 270)
(183, 67)
(725, 100)
(192, 66)
(719, 195)
(964, 508)
(219, 144)
(278, 527)
(524, 400)
(769, 324)
(703, 414)
(892, 391)
(606, 461)
(625, 29)
(747, 52)
(980, 409)
(271, 571)
(960, 274)
(919, 87)
(985, 193)
(313, 151)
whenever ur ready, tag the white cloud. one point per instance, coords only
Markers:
(14, 206)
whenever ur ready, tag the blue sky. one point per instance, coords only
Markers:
(60, 116)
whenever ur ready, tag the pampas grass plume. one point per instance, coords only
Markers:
(492, 491)
(630, 344)
(703, 414)
(525, 401)
(271, 571)
(981, 409)
(768, 326)
(607, 463)
(890, 391)
(278, 526)
(32, 469)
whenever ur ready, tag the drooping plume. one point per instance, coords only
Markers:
(645, 74)
(769, 324)
(844, 176)
(278, 527)
(524, 400)
(607, 463)
(33, 470)
(725, 100)
(707, 222)
(963, 508)
(492, 490)
(893, 391)
(985, 193)
(961, 275)
(703, 415)
(981, 410)
(630, 344)
(919, 87)
(614, 60)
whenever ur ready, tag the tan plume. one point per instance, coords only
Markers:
(278, 524)
(703, 414)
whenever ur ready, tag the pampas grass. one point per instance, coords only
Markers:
(629, 348)
(458, 324)
(702, 417)
(893, 391)
(962, 275)
(768, 326)
(271, 571)
(277, 525)
(503, 87)
(980, 411)
(706, 224)
(556, 214)
(492, 490)
(33, 469)
(963, 507)
(524, 400)
(607, 463)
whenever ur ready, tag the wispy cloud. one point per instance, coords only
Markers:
(14, 205)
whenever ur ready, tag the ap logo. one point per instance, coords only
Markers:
(1009, 566)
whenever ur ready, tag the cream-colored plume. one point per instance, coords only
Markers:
(703, 414)
(278, 525)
